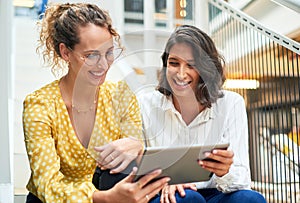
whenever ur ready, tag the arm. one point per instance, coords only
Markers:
(47, 181)
(238, 176)
(130, 145)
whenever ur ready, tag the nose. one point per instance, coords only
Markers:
(181, 72)
(103, 63)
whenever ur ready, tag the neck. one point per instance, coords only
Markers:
(77, 93)
(188, 107)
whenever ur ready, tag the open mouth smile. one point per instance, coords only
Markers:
(97, 73)
(182, 83)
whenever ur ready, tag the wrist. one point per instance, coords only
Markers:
(139, 144)
(100, 196)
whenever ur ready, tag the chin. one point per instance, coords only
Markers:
(102, 80)
(187, 92)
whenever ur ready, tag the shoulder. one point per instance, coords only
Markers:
(44, 94)
(119, 87)
(230, 98)
(118, 93)
(40, 104)
(152, 98)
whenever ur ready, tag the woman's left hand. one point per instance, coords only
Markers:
(118, 154)
(168, 192)
(221, 164)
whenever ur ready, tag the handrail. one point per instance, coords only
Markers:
(255, 52)
(292, 4)
(253, 24)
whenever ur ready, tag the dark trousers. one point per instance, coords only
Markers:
(214, 196)
(31, 198)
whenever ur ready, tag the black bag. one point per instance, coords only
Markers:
(103, 180)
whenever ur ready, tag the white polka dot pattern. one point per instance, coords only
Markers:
(61, 167)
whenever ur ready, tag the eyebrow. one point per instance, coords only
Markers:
(96, 50)
(91, 51)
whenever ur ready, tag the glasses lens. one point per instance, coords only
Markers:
(113, 54)
(92, 59)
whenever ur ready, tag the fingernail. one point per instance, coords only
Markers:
(215, 151)
(157, 171)
(207, 154)
(201, 162)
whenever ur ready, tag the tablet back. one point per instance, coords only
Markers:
(179, 163)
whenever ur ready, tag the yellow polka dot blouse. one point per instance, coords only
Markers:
(61, 168)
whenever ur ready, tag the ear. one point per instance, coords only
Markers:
(64, 52)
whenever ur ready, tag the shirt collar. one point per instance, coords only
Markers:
(167, 103)
(205, 115)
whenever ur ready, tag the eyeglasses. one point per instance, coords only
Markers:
(93, 58)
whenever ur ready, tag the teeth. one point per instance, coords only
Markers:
(182, 83)
(97, 73)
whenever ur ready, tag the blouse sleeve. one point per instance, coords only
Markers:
(237, 131)
(46, 177)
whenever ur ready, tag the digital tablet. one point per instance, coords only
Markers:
(179, 163)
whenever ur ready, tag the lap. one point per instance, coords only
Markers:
(214, 196)
(190, 196)
(245, 196)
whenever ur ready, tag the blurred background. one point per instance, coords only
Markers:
(260, 42)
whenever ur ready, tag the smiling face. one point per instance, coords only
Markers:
(94, 41)
(181, 74)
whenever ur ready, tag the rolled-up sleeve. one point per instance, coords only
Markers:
(237, 131)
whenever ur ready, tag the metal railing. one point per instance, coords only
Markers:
(256, 53)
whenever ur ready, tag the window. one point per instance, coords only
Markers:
(134, 10)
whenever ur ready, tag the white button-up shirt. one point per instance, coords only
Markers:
(224, 122)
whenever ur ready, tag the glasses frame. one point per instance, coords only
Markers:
(84, 57)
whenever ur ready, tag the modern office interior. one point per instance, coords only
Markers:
(260, 40)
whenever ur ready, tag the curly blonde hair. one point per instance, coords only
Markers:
(60, 25)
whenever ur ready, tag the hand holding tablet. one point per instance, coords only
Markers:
(179, 163)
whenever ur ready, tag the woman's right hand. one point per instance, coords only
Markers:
(118, 154)
(128, 191)
(221, 165)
